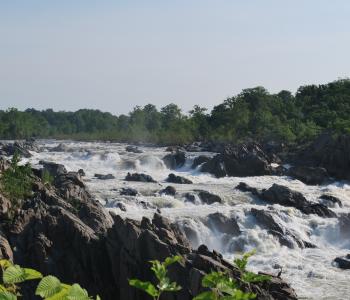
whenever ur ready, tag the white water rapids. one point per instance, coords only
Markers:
(309, 271)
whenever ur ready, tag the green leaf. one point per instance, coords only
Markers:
(251, 277)
(4, 263)
(76, 292)
(147, 287)
(206, 296)
(7, 296)
(212, 279)
(241, 263)
(98, 297)
(31, 274)
(158, 269)
(14, 274)
(171, 260)
(48, 286)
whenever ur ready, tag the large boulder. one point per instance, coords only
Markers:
(241, 160)
(244, 187)
(139, 177)
(343, 262)
(133, 149)
(309, 175)
(208, 198)
(169, 190)
(52, 168)
(175, 160)
(17, 147)
(199, 160)
(178, 179)
(104, 176)
(279, 194)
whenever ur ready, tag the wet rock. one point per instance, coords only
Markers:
(278, 194)
(139, 177)
(190, 197)
(121, 206)
(178, 179)
(309, 175)
(268, 220)
(218, 221)
(52, 168)
(208, 198)
(199, 161)
(104, 176)
(133, 149)
(243, 187)
(60, 148)
(175, 160)
(343, 262)
(242, 160)
(169, 190)
(174, 149)
(17, 147)
(81, 172)
(128, 192)
(331, 199)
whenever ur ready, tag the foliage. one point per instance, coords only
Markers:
(164, 284)
(46, 177)
(16, 181)
(49, 287)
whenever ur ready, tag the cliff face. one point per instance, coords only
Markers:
(63, 231)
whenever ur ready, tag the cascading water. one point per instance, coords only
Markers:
(309, 270)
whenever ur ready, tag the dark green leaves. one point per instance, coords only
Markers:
(145, 286)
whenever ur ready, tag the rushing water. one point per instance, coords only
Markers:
(310, 271)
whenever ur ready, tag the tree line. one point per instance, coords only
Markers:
(254, 113)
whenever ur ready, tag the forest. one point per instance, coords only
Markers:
(252, 114)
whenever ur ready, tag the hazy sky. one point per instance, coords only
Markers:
(113, 55)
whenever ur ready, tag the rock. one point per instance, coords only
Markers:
(5, 248)
(104, 176)
(121, 206)
(278, 194)
(309, 175)
(174, 149)
(128, 192)
(139, 177)
(63, 231)
(208, 198)
(269, 220)
(4, 164)
(331, 152)
(52, 168)
(81, 172)
(331, 199)
(343, 262)
(178, 179)
(60, 148)
(199, 160)
(243, 187)
(17, 147)
(190, 197)
(175, 160)
(133, 149)
(169, 190)
(242, 160)
(5, 206)
(218, 221)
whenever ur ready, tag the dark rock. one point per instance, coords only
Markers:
(60, 148)
(218, 221)
(178, 179)
(331, 199)
(268, 220)
(175, 160)
(174, 149)
(17, 147)
(243, 187)
(309, 175)
(208, 198)
(128, 192)
(133, 149)
(200, 160)
(190, 197)
(5, 248)
(343, 262)
(278, 194)
(139, 177)
(242, 160)
(169, 190)
(104, 176)
(52, 168)
(81, 172)
(121, 206)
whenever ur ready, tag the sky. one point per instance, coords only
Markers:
(114, 55)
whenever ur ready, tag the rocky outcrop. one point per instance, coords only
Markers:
(269, 220)
(309, 175)
(343, 262)
(243, 187)
(178, 179)
(207, 197)
(219, 222)
(279, 194)
(169, 190)
(199, 160)
(104, 176)
(60, 148)
(21, 148)
(133, 149)
(242, 160)
(331, 200)
(139, 177)
(175, 160)
(52, 168)
(128, 191)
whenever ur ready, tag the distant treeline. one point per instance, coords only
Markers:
(254, 113)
